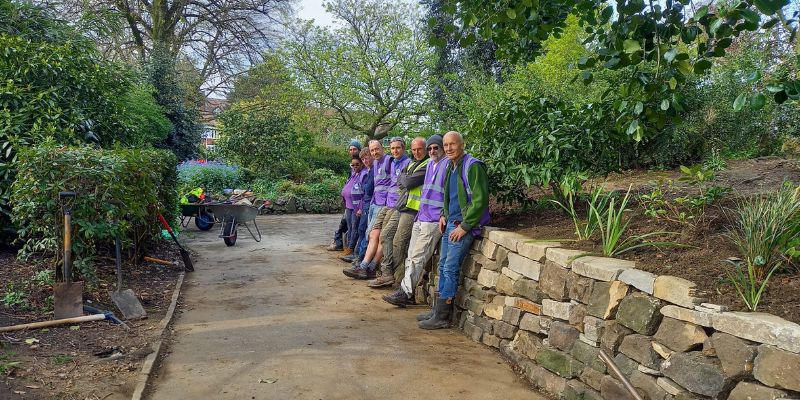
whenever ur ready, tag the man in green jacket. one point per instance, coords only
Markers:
(465, 211)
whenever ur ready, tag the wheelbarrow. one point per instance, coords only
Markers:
(233, 215)
(203, 217)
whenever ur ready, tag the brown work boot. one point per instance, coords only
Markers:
(382, 281)
(346, 252)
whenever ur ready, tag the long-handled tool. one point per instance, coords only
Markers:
(68, 295)
(125, 300)
(187, 260)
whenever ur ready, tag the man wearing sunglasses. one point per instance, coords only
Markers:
(425, 232)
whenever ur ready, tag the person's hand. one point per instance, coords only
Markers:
(457, 234)
(358, 213)
(442, 224)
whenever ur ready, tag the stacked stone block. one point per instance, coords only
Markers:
(550, 310)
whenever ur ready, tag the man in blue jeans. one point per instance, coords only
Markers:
(466, 209)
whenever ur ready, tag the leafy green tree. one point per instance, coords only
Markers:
(145, 118)
(371, 70)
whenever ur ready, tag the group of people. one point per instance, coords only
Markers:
(398, 208)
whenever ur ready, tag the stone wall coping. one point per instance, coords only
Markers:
(755, 326)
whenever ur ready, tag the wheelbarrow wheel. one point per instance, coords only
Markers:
(204, 221)
(230, 234)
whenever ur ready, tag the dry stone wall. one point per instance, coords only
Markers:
(550, 310)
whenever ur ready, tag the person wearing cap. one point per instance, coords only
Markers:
(464, 212)
(397, 232)
(425, 232)
(362, 215)
(337, 244)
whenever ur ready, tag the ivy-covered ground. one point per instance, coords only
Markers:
(704, 263)
(83, 361)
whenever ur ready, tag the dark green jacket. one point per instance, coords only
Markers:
(479, 184)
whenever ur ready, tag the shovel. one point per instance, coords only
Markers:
(68, 295)
(125, 300)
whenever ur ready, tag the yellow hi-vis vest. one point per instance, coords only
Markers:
(415, 194)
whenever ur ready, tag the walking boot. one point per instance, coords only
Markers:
(441, 316)
(353, 271)
(365, 273)
(429, 314)
(334, 246)
(399, 298)
(346, 252)
(348, 258)
(387, 279)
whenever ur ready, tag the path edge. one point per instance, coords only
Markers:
(143, 378)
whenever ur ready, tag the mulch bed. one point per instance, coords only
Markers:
(705, 263)
(90, 360)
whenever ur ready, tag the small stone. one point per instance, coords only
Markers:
(669, 386)
(579, 287)
(593, 328)
(709, 350)
(511, 274)
(544, 379)
(491, 340)
(777, 368)
(625, 364)
(612, 389)
(686, 315)
(501, 258)
(504, 330)
(470, 268)
(754, 391)
(545, 322)
(553, 281)
(588, 355)
(562, 336)
(504, 285)
(649, 371)
(600, 268)
(606, 297)
(489, 249)
(528, 306)
(487, 278)
(507, 239)
(563, 257)
(558, 362)
(493, 310)
(473, 332)
(577, 390)
(524, 266)
(647, 384)
(639, 312)
(485, 324)
(576, 316)
(486, 263)
(526, 343)
(639, 279)
(592, 377)
(510, 301)
(535, 250)
(474, 305)
(529, 289)
(736, 355)
(589, 341)
(761, 328)
(662, 350)
(512, 315)
(639, 348)
(613, 333)
(676, 290)
(556, 309)
(680, 336)
(530, 322)
(697, 373)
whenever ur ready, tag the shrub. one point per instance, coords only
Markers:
(118, 191)
(213, 176)
(320, 195)
(324, 157)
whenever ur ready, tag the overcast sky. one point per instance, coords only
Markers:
(313, 9)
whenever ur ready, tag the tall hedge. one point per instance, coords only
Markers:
(119, 192)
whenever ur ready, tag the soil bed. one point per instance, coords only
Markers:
(705, 262)
(93, 360)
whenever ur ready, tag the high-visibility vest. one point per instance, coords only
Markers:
(415, 194)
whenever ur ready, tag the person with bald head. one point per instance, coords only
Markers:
(396, 234)
(465, 211)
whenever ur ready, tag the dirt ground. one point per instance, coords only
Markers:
(93, 360)
(278, 320)
(704, 263)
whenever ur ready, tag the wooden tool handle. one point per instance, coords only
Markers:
(45, 324)
(159, 261)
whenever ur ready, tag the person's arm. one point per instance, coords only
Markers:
(478, 182)
(415, 179)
